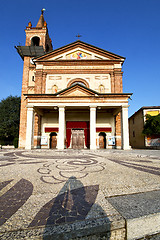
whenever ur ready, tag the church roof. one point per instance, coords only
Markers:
(31, 51)
(81, 44)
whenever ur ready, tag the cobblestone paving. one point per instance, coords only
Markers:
(50, 187)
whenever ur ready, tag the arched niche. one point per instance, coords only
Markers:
(54, 89)
(101, 88)
(79, 81)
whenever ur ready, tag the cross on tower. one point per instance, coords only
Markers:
(78, 36)
(43, 10)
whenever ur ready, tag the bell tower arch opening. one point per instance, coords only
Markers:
(35, 41)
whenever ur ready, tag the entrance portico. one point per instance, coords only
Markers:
(91, 119)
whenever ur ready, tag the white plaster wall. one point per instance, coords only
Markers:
(106, 120)
(94, 81)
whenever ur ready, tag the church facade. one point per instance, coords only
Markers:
(72, 97)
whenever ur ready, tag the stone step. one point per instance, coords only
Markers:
(141, 212)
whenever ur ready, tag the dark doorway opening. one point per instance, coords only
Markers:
(102, 140)
(53, 140)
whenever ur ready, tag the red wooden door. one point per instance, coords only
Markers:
(77, 138)
(101, 141)
(54, 142)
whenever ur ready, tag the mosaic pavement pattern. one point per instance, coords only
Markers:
(72, 181)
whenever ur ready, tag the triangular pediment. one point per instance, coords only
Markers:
(77, 91)
(79, 51)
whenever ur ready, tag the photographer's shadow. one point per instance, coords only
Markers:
(73, 203)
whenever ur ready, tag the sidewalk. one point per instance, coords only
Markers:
(105, 194)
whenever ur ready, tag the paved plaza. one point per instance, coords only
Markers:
(71, 194)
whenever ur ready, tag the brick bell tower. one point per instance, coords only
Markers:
(37, 43)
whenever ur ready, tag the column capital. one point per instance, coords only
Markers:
(30, 108)
(125, 107)
(92, 107)
(118, 73)
(111, 73)
(44, 73)
(60, 107)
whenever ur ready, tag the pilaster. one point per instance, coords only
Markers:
(112, 82)
(37, 130)
(118, 81)
(118, 130)
(44, 82)
(38, 81)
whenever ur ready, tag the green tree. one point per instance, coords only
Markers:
(152, 125)
(9, 119)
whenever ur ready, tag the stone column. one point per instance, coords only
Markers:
(29, 130)
(125, 130)
(92, 127)
(61, 134)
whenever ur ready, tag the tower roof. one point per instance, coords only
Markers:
(41, 21)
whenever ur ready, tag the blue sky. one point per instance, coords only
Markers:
(130, 28)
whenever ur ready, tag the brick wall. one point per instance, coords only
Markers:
(23, 113)
(37, 130)
(118, 129)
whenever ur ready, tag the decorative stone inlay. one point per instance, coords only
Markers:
(67, 168)
(14, 198)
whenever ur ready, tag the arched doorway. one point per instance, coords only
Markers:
(102, 140)
(53, 140)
